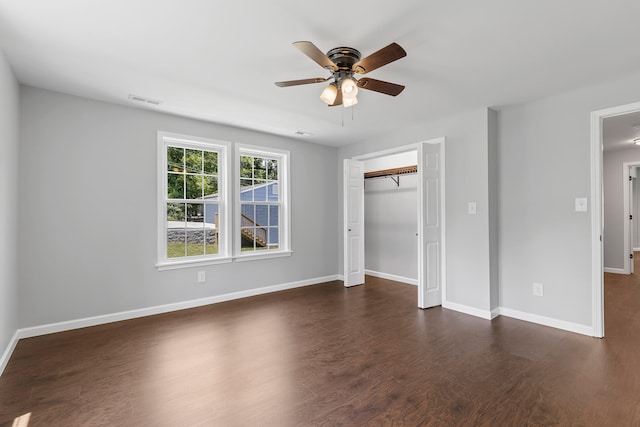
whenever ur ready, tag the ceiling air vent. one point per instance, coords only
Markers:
(138, 98)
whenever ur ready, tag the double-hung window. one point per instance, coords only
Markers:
(193, 209)
(262, 193)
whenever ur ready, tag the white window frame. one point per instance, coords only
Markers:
(224, 211)
(284, 226)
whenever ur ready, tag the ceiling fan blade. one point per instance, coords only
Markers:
(380, 86)
(316, 54)
(387, 54)
(301, 82)
(338, 100)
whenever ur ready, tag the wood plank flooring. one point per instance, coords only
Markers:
(328, 356)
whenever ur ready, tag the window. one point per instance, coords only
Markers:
(192, 211)
(262, 215)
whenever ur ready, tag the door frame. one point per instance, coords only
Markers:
(597, 212)
(420, 212)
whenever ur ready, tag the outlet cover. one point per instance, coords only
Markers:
(201, 276)
(538, 289)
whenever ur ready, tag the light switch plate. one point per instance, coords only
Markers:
(581, 204)
(471, 208)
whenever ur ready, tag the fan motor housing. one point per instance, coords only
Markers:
(344, 57)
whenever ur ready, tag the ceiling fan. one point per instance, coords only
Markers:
(344, 63)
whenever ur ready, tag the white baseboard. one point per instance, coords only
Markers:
(484, 314)
(8, 351)
(393, 277)
(636, 249)
(547, 321)
(614, 270)
(132, 314)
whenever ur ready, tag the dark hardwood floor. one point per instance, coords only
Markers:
(327, 356)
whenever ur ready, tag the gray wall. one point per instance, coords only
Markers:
(544, 156)
(9, 202)
(87, 180)
(390, 225)
(613, 186)
(468, 245)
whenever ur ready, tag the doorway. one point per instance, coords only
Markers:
(598, 226)
(391, 220)
(429, 233)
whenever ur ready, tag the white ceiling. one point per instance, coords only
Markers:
(218, 61)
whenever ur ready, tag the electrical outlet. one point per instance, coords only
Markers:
(201, 276)
(538, 289)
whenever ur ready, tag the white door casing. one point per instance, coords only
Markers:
(353, 222)
(430, 223)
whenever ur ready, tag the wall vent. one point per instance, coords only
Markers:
(139, 98)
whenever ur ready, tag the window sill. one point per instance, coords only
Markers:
(173, 265)
(260, 255)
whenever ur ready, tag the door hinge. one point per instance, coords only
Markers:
(630, 216)
(630, 178)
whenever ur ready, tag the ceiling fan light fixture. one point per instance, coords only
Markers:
(329, 93)
(636, 141)
(349, 102)
(349, 88)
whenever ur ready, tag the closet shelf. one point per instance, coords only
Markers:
(405, 170)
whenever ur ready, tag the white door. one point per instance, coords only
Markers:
(632, 176)
(353, 222)
(430, 224)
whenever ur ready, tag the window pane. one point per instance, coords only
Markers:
(176, 232)
(248, 214)
(194, 186)
(274, 213)
(195, 215)
(262, 215)
(210, 162)
(247, 235)
(273, 237)
(246, 167)
(175, 159)
(260, 191)
(175, 212)
(176, 246)
(211, 224)
(272, 169)
(273, 193)
(259, 168)
(261, 237)
(195, 229)
(210, 189)
(193, 161)
(246, 190)
(175, 186)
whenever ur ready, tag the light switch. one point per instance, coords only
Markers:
(581, 204)
(471, 208)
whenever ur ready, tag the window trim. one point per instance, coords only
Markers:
(224, 254)
(284, 190)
